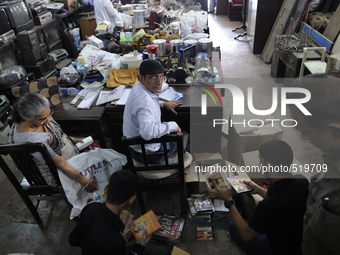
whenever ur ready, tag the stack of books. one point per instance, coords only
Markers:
(201, 207)
(170, 230)
(221, 212)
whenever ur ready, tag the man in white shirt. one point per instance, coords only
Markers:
(142, 113)
(104, 10)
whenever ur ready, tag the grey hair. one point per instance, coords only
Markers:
(29, 106)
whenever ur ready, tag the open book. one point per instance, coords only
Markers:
(108, 96)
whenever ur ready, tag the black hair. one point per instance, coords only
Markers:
(122, 186)
(277, 152)
(324, 104)
(29, 106)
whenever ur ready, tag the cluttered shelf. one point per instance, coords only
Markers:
(187, 53)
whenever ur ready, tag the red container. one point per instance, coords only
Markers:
(152, 51)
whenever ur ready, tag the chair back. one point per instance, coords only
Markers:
(170, 182)
(21, 155)
(138, 140)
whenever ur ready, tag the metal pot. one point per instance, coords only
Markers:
(178, 43)
(205, 45)
(191, 41)
(138, 17)
(161, 43)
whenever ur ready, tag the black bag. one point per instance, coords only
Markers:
(69, 43)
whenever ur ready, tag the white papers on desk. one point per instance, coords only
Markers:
(89, 99)
(124, 97)
(170, 94)
(108, 96)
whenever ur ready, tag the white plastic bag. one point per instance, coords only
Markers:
(118, 17)
(114, 59)
(92, 54)
(101, 163)
(188, 23)
(68, 70)
(201, 21)
(103, 68)
(127, 19)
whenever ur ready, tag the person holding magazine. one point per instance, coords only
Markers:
(100, 228)
(269, 229)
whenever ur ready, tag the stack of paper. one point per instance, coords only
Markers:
(89, 99)
(170, 94)
(124, 97)
(108, 96)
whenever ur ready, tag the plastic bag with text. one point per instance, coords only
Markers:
(92, 54)
(101, 163)
(188, 23)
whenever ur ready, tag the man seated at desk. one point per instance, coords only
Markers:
(142, 113)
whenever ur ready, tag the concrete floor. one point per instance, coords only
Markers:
(19, 233)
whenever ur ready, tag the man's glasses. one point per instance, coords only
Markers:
(155, 78)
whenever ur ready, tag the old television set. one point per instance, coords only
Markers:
(19, 15)
(4, 23)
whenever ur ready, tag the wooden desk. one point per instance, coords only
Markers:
(81, 122)
(204, 137)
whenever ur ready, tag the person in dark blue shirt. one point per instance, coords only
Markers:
(100, 229)
(275, 226)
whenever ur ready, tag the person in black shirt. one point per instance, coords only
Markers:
(100, 229)
(275, 227)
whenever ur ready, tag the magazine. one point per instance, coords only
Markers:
(112, 95)
(203, 203)
(205, 233)
(218, 178)
(171, 227)
(238, 184)
(147, 222)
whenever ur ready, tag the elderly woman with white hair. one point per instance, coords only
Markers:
(34, 124)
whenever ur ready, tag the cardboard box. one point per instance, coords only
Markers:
(69, 5)
(96, 42)
(333, 64)
(243, 139)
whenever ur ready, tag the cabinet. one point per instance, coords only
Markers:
(87, 26)
(260, 20)
(222, 7)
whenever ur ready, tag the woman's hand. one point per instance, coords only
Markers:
(75, 141)
(90, 186)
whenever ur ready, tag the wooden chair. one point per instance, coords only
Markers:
(138, 168)
(21, 155)
(235, 10)
(313, 66)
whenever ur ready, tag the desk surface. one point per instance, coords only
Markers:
(191, 98)
(66, 111)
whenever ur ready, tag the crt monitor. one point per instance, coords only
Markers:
(4, 23)
(19, 15)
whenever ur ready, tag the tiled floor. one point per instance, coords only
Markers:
(19, 233)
